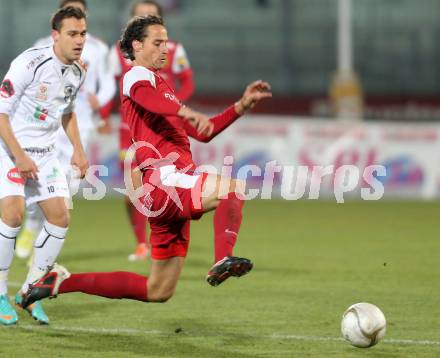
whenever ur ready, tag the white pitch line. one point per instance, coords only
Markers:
(138, 332)
(390, 341)
(415, 342)
(126, 331)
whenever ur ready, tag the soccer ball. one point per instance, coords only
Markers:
(363, 325)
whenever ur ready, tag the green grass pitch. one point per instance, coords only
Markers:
(312, 260)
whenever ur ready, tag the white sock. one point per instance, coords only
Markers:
(7, 246)
(47, 247)
(34, 219)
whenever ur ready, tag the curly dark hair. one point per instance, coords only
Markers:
(136, 29)
(66, 13)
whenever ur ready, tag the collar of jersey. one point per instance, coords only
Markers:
(56, 59)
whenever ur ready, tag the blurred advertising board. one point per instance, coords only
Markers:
(299, 157)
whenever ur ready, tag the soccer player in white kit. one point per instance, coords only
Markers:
(37, 97)
(98, 89)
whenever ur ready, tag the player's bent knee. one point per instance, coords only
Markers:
(160, 297)
(160, 292)
(61, 218)
(13, 217)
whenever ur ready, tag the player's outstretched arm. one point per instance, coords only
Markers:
(254, 93)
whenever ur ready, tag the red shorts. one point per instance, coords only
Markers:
(174, 199)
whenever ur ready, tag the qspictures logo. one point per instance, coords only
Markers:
(141, 197)
(291, 182)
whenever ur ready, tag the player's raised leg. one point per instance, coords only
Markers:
(158, 287)
(226, 197)
(169, 249)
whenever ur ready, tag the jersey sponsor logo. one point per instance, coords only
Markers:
(6, 89)
(15, 177)
(35, 60)
(42, 92)
(69, 94)
(41, 113)
(53, 177)
(171, 97)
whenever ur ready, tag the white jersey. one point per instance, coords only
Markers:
(36, 92)
(99, 81)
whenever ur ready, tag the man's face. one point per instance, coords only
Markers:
(69, 40)
(76, 4)
(152, 52)
(145, 10)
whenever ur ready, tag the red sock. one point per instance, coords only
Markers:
(227, 221)
(138, 223)
(107, 284)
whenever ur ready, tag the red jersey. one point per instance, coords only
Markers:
(149, 107)
(177, 70)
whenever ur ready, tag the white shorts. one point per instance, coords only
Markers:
(51, 181)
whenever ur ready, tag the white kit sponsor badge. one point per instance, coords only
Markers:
(42, 92)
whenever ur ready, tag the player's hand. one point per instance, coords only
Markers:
(202, 124)
(254, 93)
(198, 120)
(93, 101)
(26, 167)
(104, 127)
(80, 162)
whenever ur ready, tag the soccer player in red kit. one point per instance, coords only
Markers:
(178, 74)
(174, 193)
